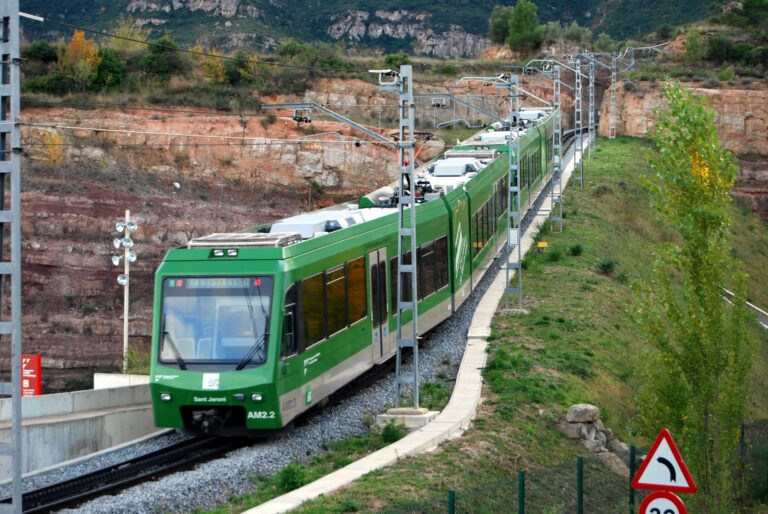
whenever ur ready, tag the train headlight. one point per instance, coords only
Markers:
(257, 397)
(239, 397)
(166, 397)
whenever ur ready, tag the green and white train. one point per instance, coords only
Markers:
(251, 329)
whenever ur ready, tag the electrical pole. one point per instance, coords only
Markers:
(10, 164)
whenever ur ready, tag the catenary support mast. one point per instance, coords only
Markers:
(10, 165)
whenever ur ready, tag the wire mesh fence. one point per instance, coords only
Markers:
(595, 484)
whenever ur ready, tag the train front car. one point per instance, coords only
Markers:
(215, 321)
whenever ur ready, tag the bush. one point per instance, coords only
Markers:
(109, 73)
(394, 61)
(54, 83)
(41, 51)
(164, 60)
(726, 75)
(291, 477)
(740, 52)
(554, 255)
(575, 250)
(718, 48)
(607, 266)
(391, 432)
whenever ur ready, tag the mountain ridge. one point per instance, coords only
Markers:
(444, 28)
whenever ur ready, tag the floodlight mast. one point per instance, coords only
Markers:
(127, 227)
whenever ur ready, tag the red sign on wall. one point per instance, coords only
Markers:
(31, 380)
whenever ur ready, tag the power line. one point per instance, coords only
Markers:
(195, 52)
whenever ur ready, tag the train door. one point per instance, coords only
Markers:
(377, 274)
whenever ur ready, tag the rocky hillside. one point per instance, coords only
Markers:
(742, 122)
(440, 28)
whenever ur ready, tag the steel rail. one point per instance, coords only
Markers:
(119, 476)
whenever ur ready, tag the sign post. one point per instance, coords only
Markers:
(31, 379)
(665, 472)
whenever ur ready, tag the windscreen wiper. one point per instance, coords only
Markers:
(258, 345)
(179, 359)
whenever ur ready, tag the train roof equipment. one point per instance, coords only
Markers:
(245, 240)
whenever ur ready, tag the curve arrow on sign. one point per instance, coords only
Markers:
(670, 467)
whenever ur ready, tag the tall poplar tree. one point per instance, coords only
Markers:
(695, 380)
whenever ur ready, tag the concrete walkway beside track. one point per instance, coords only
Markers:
(455, 419)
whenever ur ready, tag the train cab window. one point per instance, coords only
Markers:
(215, 320)
(358, 304)
(336, 299)
(312, 302)
(290, 343)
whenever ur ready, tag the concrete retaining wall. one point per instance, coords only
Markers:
(60, 427)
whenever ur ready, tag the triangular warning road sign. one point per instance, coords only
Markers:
(663, 469)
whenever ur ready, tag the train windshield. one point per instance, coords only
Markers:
(211, 320)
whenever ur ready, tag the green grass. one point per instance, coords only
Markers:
(576, 345)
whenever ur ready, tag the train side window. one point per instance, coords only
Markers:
(358, 304)
(393, 281)
(336, 299)
(290, 342)
(441, 259)
(427, 270)
(312, 302)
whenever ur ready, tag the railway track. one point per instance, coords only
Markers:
(119, 476)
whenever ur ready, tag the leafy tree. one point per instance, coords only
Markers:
(578, 34)
(80, 60)
(394, 61)
(552, 32)
(695, 379)
(163, 60)
(127, 28)
(109, 73)
(604, 43)
(694, 46)
(243, 70)
(499, 24)
(665, 32)
(41, 51)
(524, 29)
(213, 68)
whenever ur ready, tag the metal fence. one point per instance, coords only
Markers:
(587, 485)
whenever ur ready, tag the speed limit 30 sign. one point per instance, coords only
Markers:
(662, 502)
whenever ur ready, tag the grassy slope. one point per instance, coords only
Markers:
(576, 345)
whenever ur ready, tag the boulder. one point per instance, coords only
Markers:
(582, 413)
(614, 463)
(573, 430)
(594, 446)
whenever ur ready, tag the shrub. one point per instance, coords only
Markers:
(740, 52)
(394, 61)
(291, 477)
(554, 255)
(607, 266)
(391, 432)
(718, 48)
(575, 250)
(726, 75)
(40, 51)
(109, 73)
(54, 83)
